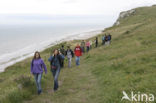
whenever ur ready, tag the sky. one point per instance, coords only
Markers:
(70, 7)
(35, 11)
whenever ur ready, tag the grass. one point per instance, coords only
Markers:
(127, 64)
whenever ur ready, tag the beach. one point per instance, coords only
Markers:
(29, 51)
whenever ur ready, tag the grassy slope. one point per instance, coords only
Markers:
(127, 64)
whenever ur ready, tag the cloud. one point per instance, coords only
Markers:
(70, 1)
(70, 7)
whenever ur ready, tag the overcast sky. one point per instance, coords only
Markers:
(70, 7)
(47, 11)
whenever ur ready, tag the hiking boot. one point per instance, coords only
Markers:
(39, 92)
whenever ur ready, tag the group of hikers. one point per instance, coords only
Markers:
(57, 60)
(106, 40)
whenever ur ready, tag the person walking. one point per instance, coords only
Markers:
(83, 46)
(37, 66)
(91, 44)
(88, 46)
(78, 53)
(55, 62)
(109, 38)
(70, 55)
(96, 42)
(63, 52)
(106, 40)
(103, 39)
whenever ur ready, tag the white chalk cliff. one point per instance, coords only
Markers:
(124, 15)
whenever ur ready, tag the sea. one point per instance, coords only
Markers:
(22, 35)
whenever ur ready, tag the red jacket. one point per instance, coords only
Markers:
(78, 51)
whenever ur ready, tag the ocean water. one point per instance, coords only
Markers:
(20, 38)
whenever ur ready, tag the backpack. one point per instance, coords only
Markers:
(72, 53)
(106, 38)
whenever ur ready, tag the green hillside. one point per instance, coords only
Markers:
(128, 64)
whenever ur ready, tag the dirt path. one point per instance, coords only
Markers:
(77, 85)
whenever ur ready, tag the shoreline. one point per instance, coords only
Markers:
(79, 36)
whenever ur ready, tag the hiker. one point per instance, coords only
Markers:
(96, 42)
(70, 55)
(109, 38)
(83, 46)
(103, 39)
(36, 69)
(106, 39)
(55, 62)
(78, 53)
(88, 46)
(63, 52)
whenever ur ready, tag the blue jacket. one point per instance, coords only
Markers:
(56, 60)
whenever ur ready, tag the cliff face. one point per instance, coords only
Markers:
(124, 15)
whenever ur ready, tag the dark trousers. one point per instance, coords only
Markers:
(62, 63)
(96, 44)
(83, 49)
(87, 48)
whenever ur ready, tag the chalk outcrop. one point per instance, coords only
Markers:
(124, 15)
